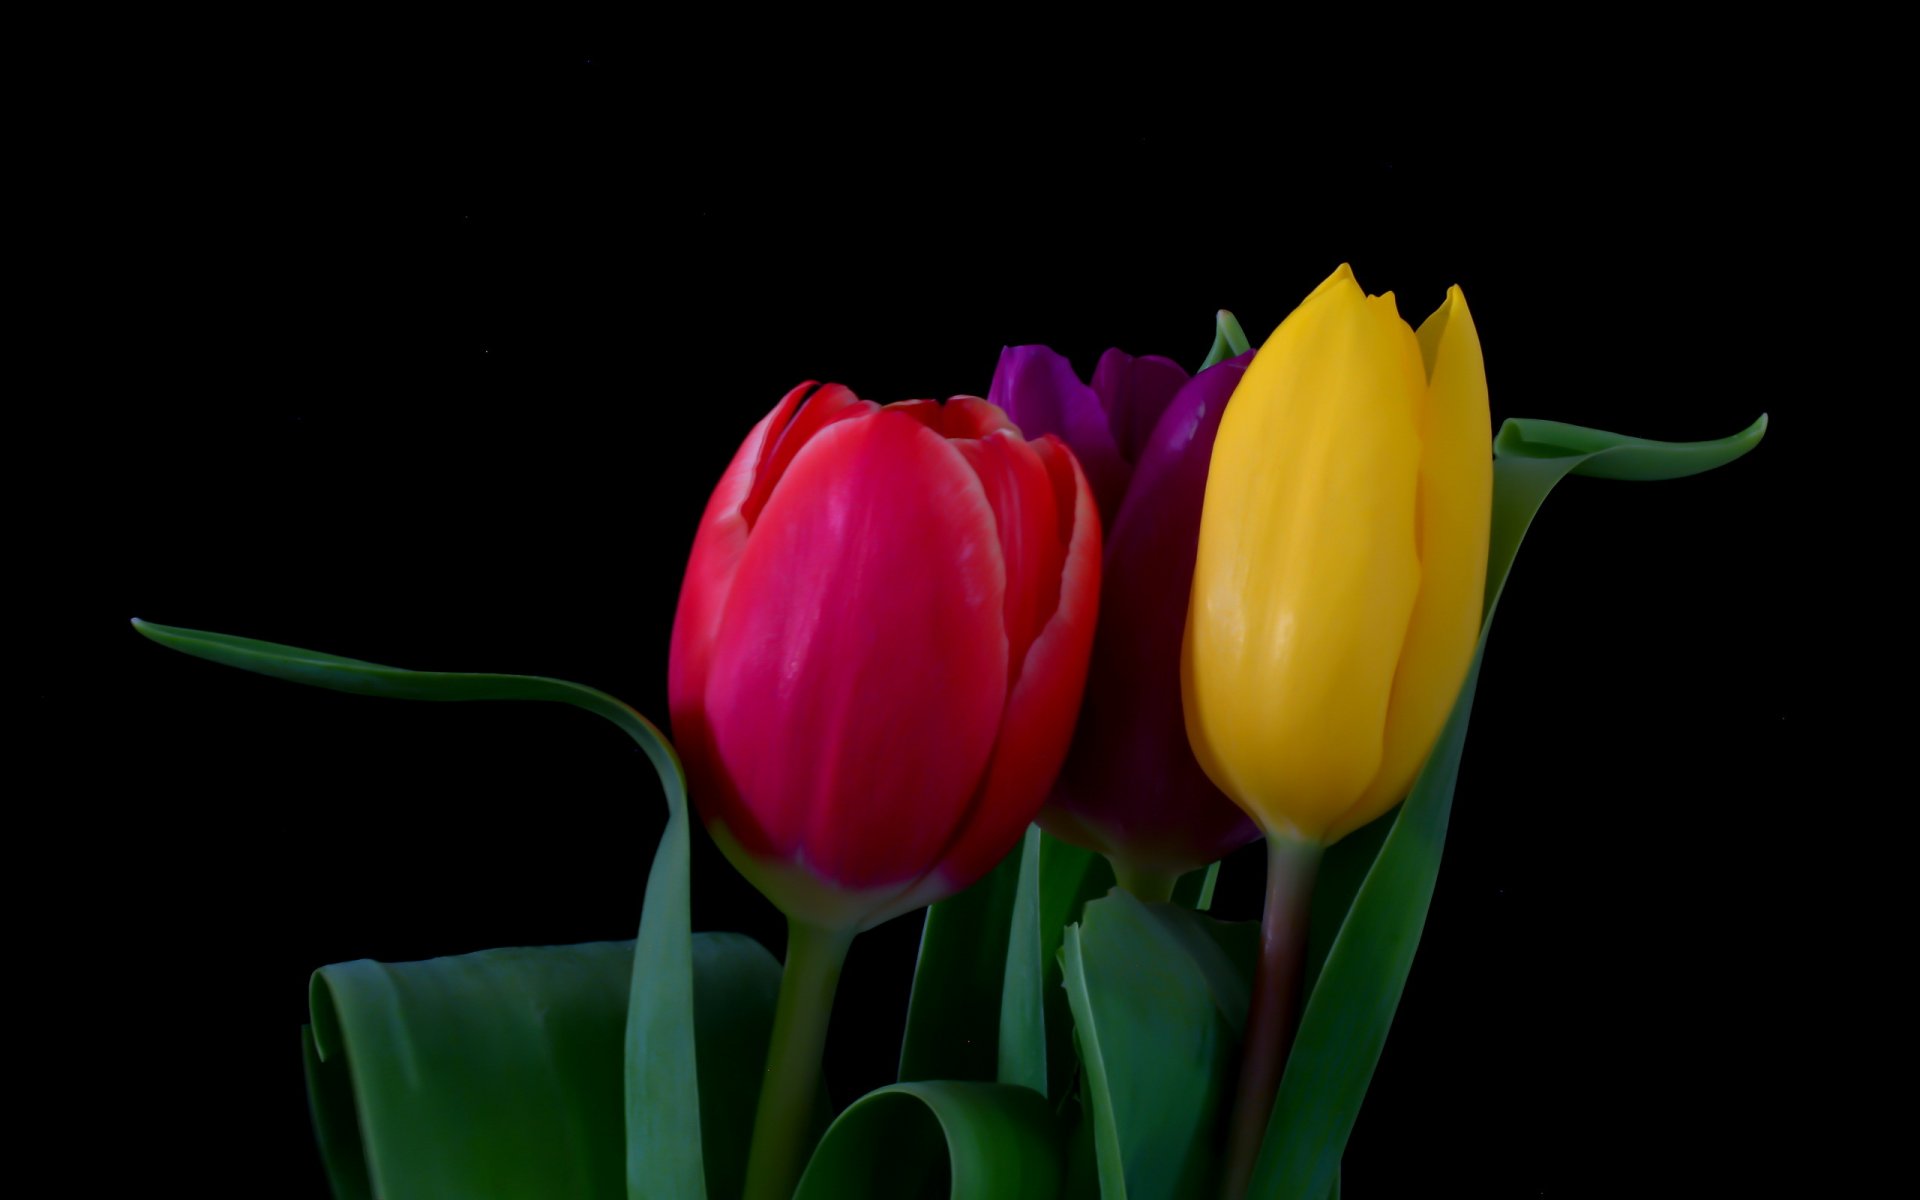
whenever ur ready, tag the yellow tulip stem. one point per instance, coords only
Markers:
(783, 1124)
(1274, 1012)
(1144, 882)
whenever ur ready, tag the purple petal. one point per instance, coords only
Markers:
(1131, 783)
(1135, 391)
(1038, 390)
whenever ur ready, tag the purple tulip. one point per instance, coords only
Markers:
(1143, 432)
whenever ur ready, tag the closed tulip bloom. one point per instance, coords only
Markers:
(880, 648)
(1336, 602)
(878, 655)
(1131, 788)
(1342, 557)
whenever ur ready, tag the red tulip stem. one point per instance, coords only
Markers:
(1274, 1012)
(783, 1125)
(1146, 884)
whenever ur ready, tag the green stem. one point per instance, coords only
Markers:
(1274, 1012)
(783, 1125)
(1145, 883)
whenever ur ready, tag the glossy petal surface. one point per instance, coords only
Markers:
(1308, 563)
(851, 749)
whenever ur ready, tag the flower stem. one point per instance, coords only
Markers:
(783, 1124)
(1145, 883)
(1275, 1009)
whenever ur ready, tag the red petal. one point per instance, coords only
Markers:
(972, 417)
(1042, 707)
(1028, 525)
(860, 671)
(927, 412)
(718, 545)
(797, 422)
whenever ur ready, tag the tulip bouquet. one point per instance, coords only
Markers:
(1038, 661)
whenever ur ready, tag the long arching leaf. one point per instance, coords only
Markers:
(1345, 1021)
(664, 1144)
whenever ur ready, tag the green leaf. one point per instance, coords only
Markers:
(498, 1074)
(1615, 456)
(988, 982)
(494, 1074)
(945, 1140)
(736, 985)
(1195, 889)
(1345, 1022)
(1228, 340)
(1057, 879)
(1343, 868)
(1159, 994)
(1023, 1009)
(953, 1015)
(664, 1155)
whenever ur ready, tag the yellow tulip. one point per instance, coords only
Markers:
(1343, 553)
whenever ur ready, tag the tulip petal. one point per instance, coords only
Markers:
(1134, 392)
(972, 417)
(1307, 553)
(1044, 703)
(860, 670)
(1456, 504)
(1131, 787)
(717, 548)
(1024, 511)
(1040, 393)
(800, 423)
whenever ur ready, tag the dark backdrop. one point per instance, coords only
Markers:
(434, 364)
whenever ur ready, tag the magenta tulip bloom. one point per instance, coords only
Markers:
(1131, 788)
(880, 648)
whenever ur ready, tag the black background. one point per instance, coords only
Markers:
(433, 363)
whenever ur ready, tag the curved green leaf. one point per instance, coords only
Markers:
(1022, 1058)
(1343, 868)
(1616, 456)
(1195, 888)
(736, 986)
(664, 1158)
(1036, 1040)
(950, 1140)
(497, 1075)
(1345, 1022)
(986, 1001)
(1229, 340)
(1159, 994)
(953, 1014)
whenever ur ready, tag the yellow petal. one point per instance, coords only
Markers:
(1456, 504)
(1307, 569)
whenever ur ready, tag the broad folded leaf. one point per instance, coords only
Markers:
(1345, 1021)
(1159, 994)
(498, 1074)
(954, 1141)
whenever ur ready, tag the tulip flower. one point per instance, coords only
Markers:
(1336, 600)
(876, 663)
(1131, 787)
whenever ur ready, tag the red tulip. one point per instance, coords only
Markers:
(880, 648)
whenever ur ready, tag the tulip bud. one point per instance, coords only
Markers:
(880, 648)
(1130, 787)
(1342, 558)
